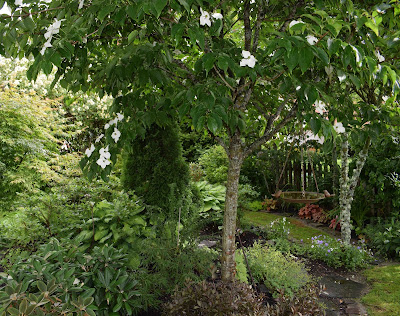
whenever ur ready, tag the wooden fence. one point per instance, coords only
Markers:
(291, 177)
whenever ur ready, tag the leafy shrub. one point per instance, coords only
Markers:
(384, 236)
(337, 254)
(214, 199)
(305, 302)
(102, 272)
(196, 173)
(44, 299)
(167, 266)
(254, 206)
(119, 223)
(246, 195)
(275, 270)
(214, 162)
(270, 204)
(215, 298)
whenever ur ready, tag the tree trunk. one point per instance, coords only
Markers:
(235, 156)
(348, 185)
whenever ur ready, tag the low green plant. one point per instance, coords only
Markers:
(166, 265)
(102, 272)
(44, 299)
(241, 269)
(336, 253)
(278, 229)
(254, 206)
(120, 223)
(214, 198)
(275, 270)
(215, 298)
(384, 236)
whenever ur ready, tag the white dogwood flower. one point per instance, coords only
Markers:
(45, 46)
(99, 138)
(312, 40)
(104, 153)
(89, 151)
(116, 134)
(103, 162)
(120, 116)
(339, 128)
(205, 18)
(294, 22)
(81, 2)
(248, 59)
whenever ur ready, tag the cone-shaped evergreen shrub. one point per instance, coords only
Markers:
(155, 169)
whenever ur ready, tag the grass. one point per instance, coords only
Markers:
(297, 229)
(384, 297)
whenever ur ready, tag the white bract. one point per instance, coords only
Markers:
(312, 40)
(99, 138)
(341, 75)
(81, 4)
(248, 59)
(205, 18)
(379, 56)
(51, 30)
(320, 107)
(106, 126)
(116, 134)
(89, 151)
(339, 128)
(217, 16)
(294, 22)
(120, 116)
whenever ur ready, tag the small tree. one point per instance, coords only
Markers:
(240, 69)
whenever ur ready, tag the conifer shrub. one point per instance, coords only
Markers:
(155, 169)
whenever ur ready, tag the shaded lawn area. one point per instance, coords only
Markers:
(298, 230)
(384, 297)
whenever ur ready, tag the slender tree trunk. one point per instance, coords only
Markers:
(235, 156)
(348, 185)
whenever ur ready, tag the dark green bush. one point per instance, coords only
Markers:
(215, 298)
(154, 168)
(101, 272)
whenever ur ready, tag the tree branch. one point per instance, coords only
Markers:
(247, 26)
(269, 133)
(260, 18)
(223, 79)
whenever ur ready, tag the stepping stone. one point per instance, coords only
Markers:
(339, 287)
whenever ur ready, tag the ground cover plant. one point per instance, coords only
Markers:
(383, 297)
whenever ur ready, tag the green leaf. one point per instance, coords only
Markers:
(28, 22)
(223, 62)
(292, 59)
(159, 5)
(41, 286)
(212, 124)
(305, 58)
(322, 55)
(100, 234)
(105, 11)
(185, 4)
(315, 125)
(56, 59)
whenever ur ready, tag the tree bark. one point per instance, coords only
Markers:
(236, 157)
(348, 185)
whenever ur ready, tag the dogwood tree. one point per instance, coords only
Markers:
(242, 70)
